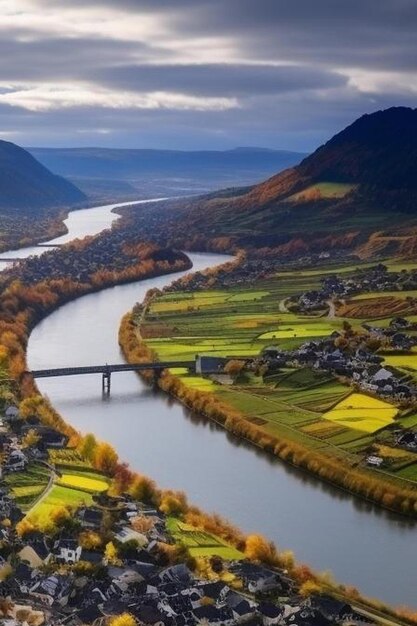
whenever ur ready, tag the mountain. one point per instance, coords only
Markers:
(164, 172)
(378, 149)
(363, 179)
(26, 184)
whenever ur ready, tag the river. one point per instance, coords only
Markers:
(80, 223)
(362, 546)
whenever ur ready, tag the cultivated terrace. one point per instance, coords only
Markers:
(318, 366)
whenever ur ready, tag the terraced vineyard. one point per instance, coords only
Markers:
(307, 406)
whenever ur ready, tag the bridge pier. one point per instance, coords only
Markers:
(156, 374)
(106, 383)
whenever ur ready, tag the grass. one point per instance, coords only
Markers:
(27, 486)
(60, 496)
(67, 457)
(362, 412)
(200, 543)
(322, 191)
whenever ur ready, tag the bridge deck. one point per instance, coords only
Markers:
(110, 369)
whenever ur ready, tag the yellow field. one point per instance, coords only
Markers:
(401, 360)
(82, 482)
(362, 412)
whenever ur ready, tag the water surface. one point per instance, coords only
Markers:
(326, 528)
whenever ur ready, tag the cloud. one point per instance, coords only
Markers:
(50, 97)
(201, 72)
(227, 79)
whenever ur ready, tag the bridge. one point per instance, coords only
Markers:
(107, 370)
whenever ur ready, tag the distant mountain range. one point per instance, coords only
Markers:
(362, 180)
(27, 185)
(171, 172)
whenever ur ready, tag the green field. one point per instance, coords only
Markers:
(201, 543)
(59, 496)
(72, 488)
(27, 486)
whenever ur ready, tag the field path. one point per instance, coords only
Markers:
(44, 493)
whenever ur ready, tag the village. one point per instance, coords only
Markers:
(113, 558)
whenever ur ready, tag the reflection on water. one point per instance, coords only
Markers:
(326, 527)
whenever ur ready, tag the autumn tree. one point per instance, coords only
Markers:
(25, 527)
(234, 367)
(173, 503)
(144, 489)
(123, 478)
(110, 553)
(125, 619)
(257, 548)
(87, 447)
(105, 458)
(31, 439)
(89, 540)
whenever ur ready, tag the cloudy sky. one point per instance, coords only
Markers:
(200, 73)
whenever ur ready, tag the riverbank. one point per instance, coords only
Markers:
(236, 538)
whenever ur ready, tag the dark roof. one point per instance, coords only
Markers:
(269, 610)
(90, 515)
(89, 613)
(213, 590)
(91, 557)
(23, 572)
(149, 615)
(40, 547)
(330, 607)
(211, 613)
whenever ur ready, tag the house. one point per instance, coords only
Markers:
(12, 414)
(129, 534)
(303, 616)
(382, 376)
(67, 551)
(375, 461)
(257, 578)
(210, 614)
(34, 556)
(49, 437)
(124, 579)
(16, 461)
(92, 557)
(407, 439)
(332, 609)
(53, 590)
(23, 578)
(90, 517)
(205, 365)
(176, 573)
(150, 616)
(271, 614)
